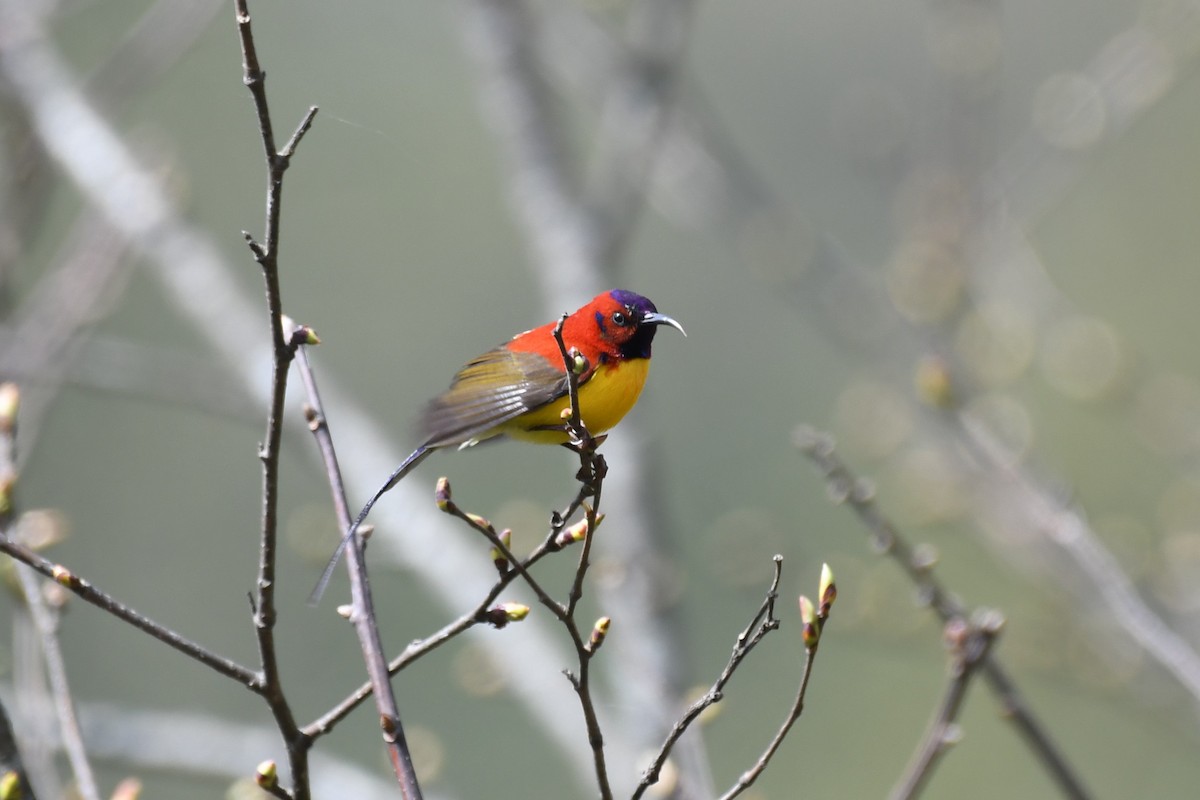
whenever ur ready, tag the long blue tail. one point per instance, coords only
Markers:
(416, 457)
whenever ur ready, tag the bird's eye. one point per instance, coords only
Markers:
(619, 319)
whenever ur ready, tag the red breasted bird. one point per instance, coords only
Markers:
(519, 389)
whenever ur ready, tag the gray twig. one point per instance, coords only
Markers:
(845, 487)
(970, 643)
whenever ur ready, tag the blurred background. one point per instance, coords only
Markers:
(960, 235)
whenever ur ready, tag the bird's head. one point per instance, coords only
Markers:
(625, 321)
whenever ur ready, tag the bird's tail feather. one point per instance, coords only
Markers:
(415, 458)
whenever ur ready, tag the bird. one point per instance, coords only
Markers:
(520, 388)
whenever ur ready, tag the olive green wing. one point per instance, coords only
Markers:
(493, 388)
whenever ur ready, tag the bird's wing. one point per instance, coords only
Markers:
(492, 389)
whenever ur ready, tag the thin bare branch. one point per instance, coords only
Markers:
(751, 775)
(464, 622)
(845, 487)
(363, 614)
(592, 469)
(969, 644)
(283, 350)
(46, 623)
(764, 622)
(89, 593)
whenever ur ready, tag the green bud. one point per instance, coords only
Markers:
(579, 362)
(515, 612)
(498, 557)
(599, 632)
(576, 533)
(811, 633)
(827, 591)
(266, 774)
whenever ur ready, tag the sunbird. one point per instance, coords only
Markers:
(519, 389)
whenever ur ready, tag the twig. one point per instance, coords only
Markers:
(764, 622)
(89, 593)
(475, 616)
(844, 486)
(813, 620)
(1066, 528)
(970, 644)
(363, 614)
(45, 622)
(517, 567)
(266, 254)
(751, 775)
(592, 470)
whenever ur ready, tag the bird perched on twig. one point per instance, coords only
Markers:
(520, 388)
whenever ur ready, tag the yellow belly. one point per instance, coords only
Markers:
(603, 401)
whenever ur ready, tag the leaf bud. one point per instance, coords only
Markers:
(62, 575)
(498, 557)
(811, 633)
(599, 632)
(479, 521)
(576, 533)
(827, 591)
(498, 616)
(579, 362)
(442, 494)
(266, 774)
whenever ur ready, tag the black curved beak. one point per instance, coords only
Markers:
(655, 318)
